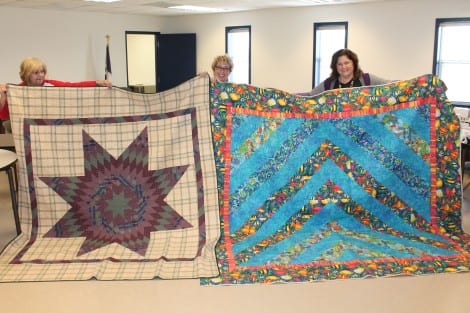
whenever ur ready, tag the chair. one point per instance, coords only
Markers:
(8, 161)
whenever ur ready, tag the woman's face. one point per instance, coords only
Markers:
(222, 71)
(36, 78)
(345, 67)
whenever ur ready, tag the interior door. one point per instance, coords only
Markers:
(141, 59)
(176, 59)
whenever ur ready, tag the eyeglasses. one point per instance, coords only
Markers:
(223, 68)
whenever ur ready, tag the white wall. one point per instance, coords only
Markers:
(394, 39)
(72, 44)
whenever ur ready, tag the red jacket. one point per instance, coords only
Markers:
(5, 114)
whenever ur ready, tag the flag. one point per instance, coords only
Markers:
(107, 70)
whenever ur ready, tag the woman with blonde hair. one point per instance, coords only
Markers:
(222, 66)
(33, 73)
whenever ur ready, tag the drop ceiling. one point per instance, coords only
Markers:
(161, 8)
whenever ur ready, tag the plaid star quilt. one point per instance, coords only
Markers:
(113, 184)
(350, 183)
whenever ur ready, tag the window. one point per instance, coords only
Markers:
(452, 57)
(328, 38)
(238, 47)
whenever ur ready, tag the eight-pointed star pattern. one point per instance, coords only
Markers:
(117, 200)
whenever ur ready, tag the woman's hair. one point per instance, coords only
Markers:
(30, 65)
(350, 55)
(222, 58)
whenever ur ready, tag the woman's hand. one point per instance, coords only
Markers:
(206, 74)
(3, 95)
(104, 83)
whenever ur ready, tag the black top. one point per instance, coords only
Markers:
(351, 83)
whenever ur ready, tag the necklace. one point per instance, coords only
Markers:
(347, 85)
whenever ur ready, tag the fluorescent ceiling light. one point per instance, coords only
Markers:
(322, 1)
(106, 1)
(194, 8)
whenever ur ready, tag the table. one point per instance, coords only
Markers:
(7, 142)
(8, 161)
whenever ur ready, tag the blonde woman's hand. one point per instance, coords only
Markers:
(206, 74)
(104, 83)
(3, 95)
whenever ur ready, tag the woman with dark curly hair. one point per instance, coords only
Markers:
(346, 73)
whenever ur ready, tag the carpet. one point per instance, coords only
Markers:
(350, 183)
(113, 185)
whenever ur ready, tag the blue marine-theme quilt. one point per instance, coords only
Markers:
(350, 183)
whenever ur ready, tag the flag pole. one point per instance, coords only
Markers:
(107, 70)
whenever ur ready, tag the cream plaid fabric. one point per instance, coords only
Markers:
(49, 126)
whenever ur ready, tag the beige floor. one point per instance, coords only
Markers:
(443, 293)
